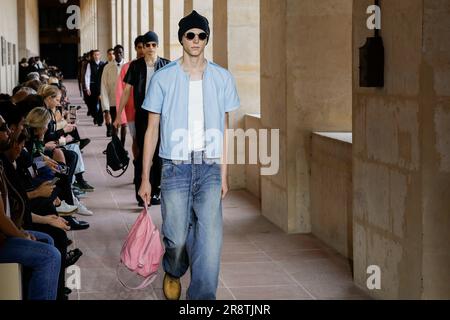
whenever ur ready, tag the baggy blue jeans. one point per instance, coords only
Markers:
(43, 259)
(191, 205)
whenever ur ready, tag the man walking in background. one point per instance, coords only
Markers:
(130, 111)
(92, 81)
(138, 78)
(108, 92)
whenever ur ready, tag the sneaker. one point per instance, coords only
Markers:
(82, 210)
(171, 287)
(84, 186)
(66, 209)
(156, 200)
(79, 193)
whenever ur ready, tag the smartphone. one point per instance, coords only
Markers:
(54, 181)
(63, 169)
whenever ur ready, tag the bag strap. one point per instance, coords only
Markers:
(147, 281)
(118, 176)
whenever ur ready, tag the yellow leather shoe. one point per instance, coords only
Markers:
(171, 287)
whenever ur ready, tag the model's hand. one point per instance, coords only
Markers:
(107, 117)
(145, 191)
(117, 123)
(224, 187)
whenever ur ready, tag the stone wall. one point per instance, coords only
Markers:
(305, 87)
(331, 191)
(9, 32)
(401, 152)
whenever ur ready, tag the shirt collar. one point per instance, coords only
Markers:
(178, 62)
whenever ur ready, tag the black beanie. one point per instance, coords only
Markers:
(194, 20)
(150, 37)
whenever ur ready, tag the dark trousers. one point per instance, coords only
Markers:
(66, 180)
(155, 172)
(60, 238)
(95, 108)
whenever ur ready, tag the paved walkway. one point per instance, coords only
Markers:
(259, 261)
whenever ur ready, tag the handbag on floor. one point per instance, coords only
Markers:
(142, 251)
(116, 157)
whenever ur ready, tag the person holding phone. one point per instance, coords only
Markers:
(20, 246)
(46, 221)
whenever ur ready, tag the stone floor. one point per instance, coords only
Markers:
(259, 261)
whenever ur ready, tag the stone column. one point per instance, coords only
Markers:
(173, 12)
(126, 27)
(188, 6)
(244, 63)
(119, 23)
(158, 24)
(205, 8)
(220, 32)
(28, 28)
(134, 19)
(143, 16)
(114, 22)
(88, 32)
(401, 159)
(103, 23)
(305, 87)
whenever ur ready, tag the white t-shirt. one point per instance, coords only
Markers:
(196, 117)
(150, 72)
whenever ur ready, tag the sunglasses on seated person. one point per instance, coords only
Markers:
(191, 35)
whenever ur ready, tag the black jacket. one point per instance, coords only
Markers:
(137, 77)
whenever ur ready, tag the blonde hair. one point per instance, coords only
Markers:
(48, 90)
(38, 118)
(53, 80)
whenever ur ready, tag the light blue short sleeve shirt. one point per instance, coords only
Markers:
(168, 95)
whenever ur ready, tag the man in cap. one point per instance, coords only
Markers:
(138, 78)
(189, 100)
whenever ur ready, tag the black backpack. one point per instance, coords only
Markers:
(116, 157)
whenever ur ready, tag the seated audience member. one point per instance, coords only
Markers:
(50, 224)
(33, 250)
(33, 84)
(52, 98)
(37, 121)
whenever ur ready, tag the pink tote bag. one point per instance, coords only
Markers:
(142, 251)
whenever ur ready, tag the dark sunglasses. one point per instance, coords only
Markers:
(4, 127)
(191, 35)
(151, 44)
